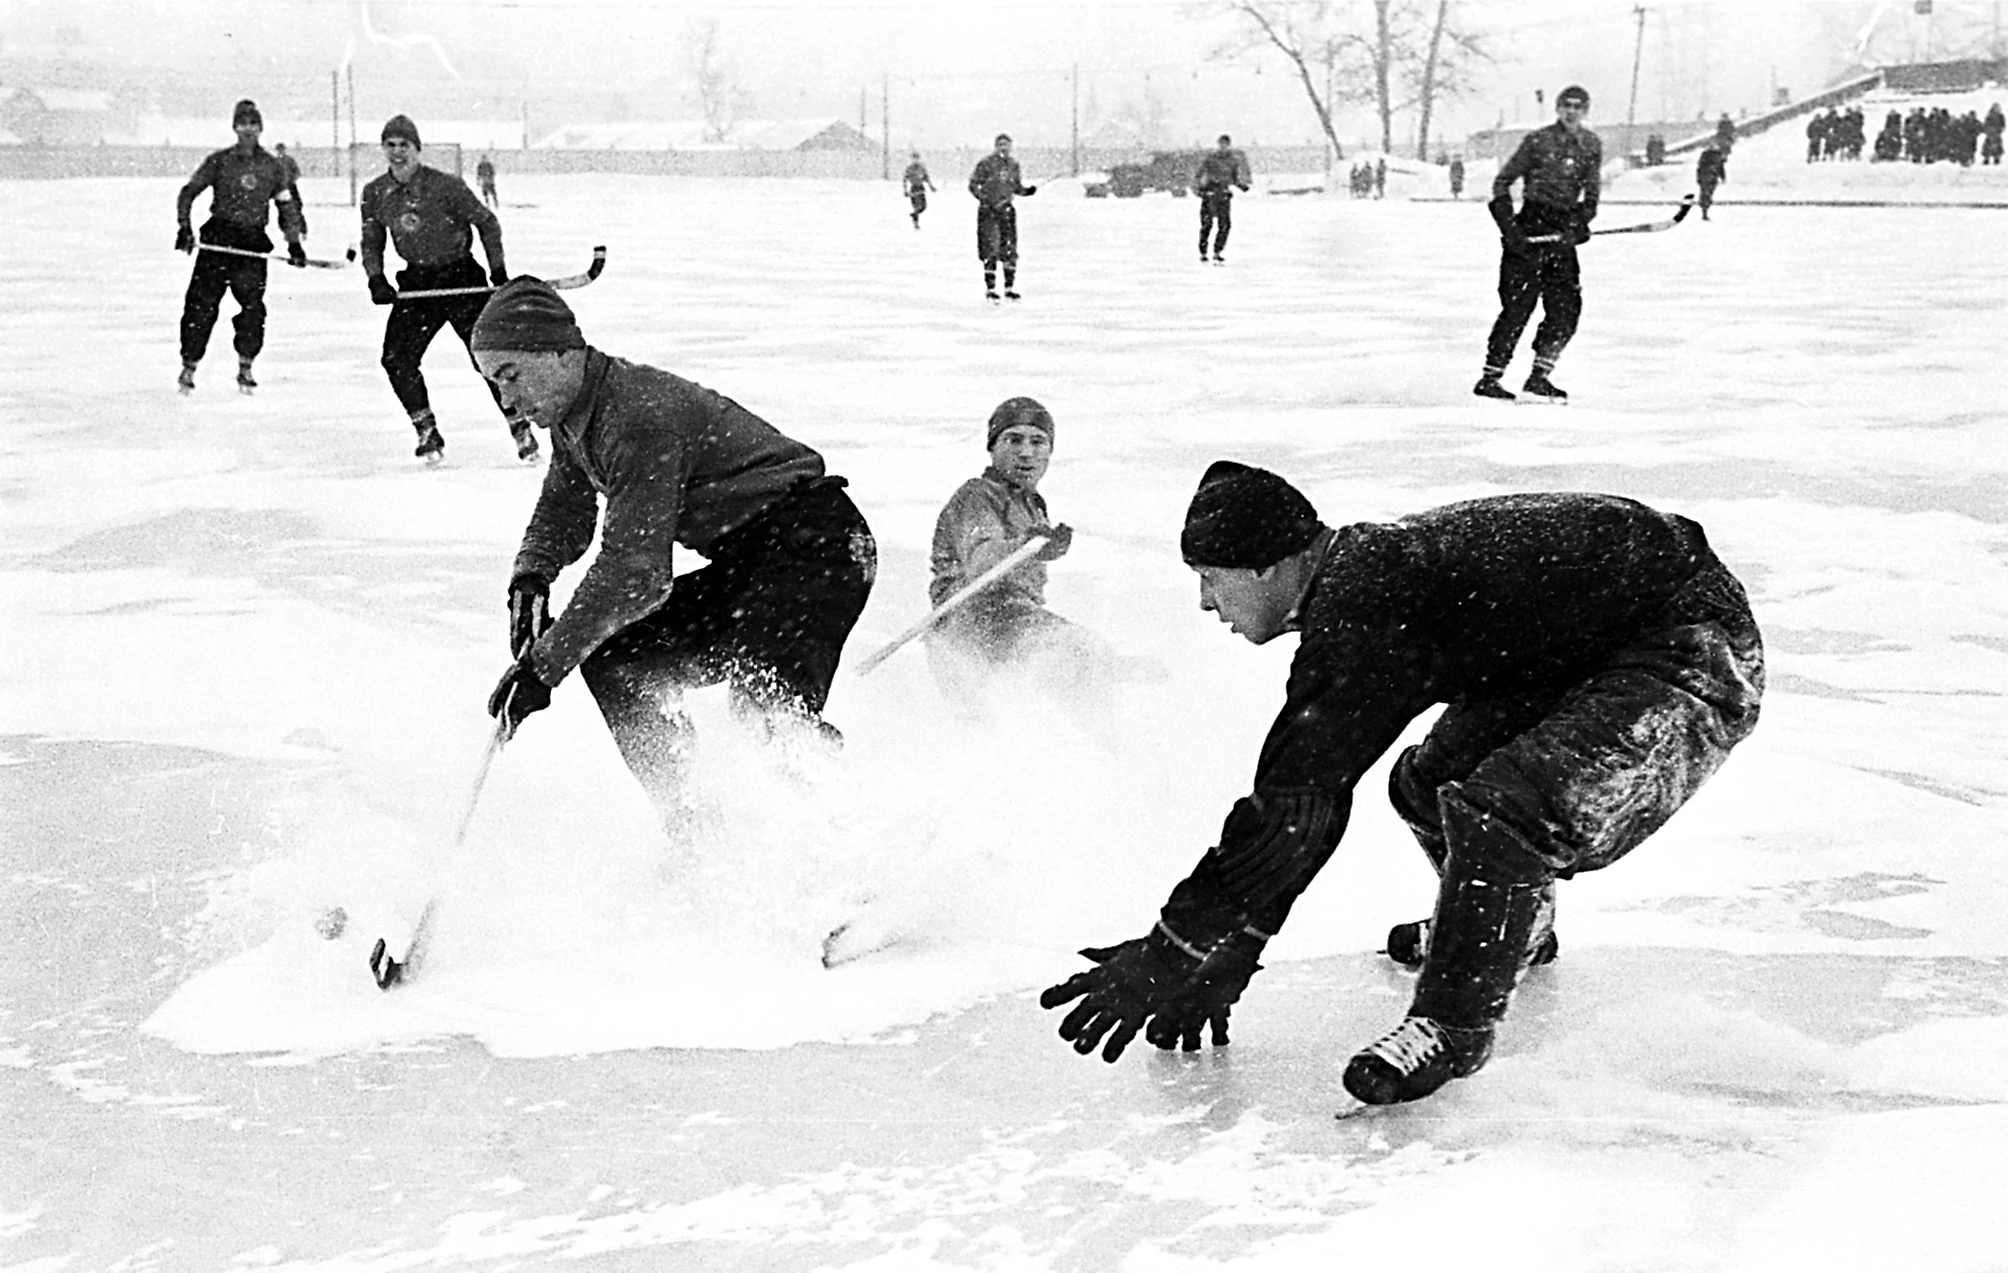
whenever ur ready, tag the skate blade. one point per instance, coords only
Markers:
(387, 971)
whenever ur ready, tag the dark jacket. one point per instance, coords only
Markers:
(432, 219)
(1559, 172)
(1472, 601)
(676, 464)
(995, 180)
(242, 183)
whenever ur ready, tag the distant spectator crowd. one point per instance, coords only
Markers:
(1921, 137)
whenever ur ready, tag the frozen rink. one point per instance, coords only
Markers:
(247, 642)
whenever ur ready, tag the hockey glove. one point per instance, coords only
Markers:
(529, 612)
(1579, 232)
(1208, 997)
(1057, 543)
(1133, 983)
(184, 240)
(1029, 191)
(519, 693)
(497, 276)
(381, 292)
(296, 254)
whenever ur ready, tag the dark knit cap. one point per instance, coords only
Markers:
(401, 126)
(527, 313)
(246, 112)
(1243, 517)
(1573, 93)
(1013, 412)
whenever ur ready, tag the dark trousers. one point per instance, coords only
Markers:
(1508, 795)
(768, 616)
(997, 235)
(412, 324)
(216, 273)
(1707, 196)
(1216, 216)
(1543, 273)
(918, 199)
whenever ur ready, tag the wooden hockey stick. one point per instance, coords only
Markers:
(1017, 558)
(590, 273)
(280, 257)
(1686, 206)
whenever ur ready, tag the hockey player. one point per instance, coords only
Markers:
(1559, 168)
(484, 176)
(432, 217)
(918, 183)
(989, 517)
(1710, 171)
(995, 181)
(790, 559)
(1597, 662)
(242, 179)
(1220, 175)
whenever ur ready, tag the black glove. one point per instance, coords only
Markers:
(1057, 544)
(1153, 986)
(184, 240)
(1579, 231)
(1029, 191)
(381, 292)
(497, 276)
(296, 254)
(519, 693)
(529, 612)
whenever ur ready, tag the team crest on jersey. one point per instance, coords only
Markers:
(247, 180)
(408, 222)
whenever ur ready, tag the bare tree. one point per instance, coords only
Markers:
(1302, 31)
(719, 96)
(1445, 71)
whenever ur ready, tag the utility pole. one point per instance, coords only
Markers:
(335, 117)
(885, 126)
(1077, 119)
(1638, 47)
(352, 135)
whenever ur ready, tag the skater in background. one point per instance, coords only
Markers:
(484, 176)
(432, 218)
(989, 517)
(1380, 178)
(1990, 130)
(790, 558)
(918, 183)
(242, 180)
(1558, 167)
(1457, 176)
(1597, 662)
(995, 181)
(290, 164)
(1220, 174)
(1710, 171)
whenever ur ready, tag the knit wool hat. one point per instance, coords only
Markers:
(401, 126)
(1013, 412)
(1243, 517)
(527, 313)
(1573, 93)
(246, 112)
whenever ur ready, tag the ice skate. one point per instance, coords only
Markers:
(1540, 386)
(1414, 1059)
(245, 384)
(1489, 387)
(186, 380)
(431, 446)
(991, 296)
(1012, 296)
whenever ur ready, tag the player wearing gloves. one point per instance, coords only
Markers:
(791, 560)
(1597, 663)
(242, 179)
(1220, 174)
(1559, 170)
(432, 217)
(995, 181)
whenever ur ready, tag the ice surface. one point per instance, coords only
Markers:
(249, 638)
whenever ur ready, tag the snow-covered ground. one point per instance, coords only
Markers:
(248, 639)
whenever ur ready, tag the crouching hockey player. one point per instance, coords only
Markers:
(1598, 663)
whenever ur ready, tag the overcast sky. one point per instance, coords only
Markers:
(956, 70)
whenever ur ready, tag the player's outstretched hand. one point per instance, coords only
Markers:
(1129, 985)
(296, 254)
(1030, 191)
(519, 693)
(184, 240)
(381, 292)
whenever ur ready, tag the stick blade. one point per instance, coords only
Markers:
(387, 971)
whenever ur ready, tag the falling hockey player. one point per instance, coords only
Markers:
(242, 179)
(1597, 663)
(1558, 167)
(790, 560)
(432, 218)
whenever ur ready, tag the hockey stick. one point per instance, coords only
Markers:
(1017, 558)
(570, 280)
(389, 971)
(281, 258)
(1650, 227)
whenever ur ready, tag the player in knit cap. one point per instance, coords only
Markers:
(1596, 662)
(432, 218)
(790, 558)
